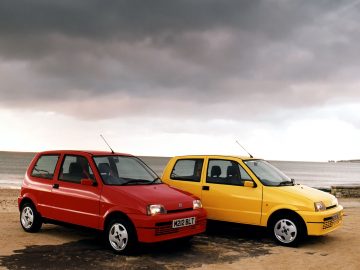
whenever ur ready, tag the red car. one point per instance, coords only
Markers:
(111, 192)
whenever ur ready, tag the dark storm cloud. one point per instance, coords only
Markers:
(176, 54)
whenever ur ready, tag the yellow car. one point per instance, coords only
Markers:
(252, 191)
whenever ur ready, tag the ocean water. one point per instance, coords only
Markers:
(12, 168)
(321, 174)
(315, 174)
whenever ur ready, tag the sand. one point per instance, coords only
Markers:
(224, 246)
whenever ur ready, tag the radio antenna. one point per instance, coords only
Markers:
(244, 149)
(102, 137)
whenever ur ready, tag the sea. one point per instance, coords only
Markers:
(314, 174)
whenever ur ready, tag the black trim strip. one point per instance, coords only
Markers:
(179, 210)
(316, 222)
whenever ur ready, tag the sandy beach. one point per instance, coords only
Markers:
(224, 246)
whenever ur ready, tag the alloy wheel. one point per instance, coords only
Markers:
(27, 217)
(285, 231)
(118, 237)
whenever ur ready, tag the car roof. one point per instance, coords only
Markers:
(217, 156)
(82, 152)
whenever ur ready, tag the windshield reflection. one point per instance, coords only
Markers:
(268, 174)
(124, 170)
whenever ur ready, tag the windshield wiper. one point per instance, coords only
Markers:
(134, 181)
(156, 179)
(40, 170)
(286, 183)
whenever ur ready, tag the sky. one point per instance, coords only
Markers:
(165, 78)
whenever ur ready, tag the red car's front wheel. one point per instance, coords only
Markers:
(121, 237)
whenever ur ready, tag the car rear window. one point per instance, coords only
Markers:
(45, 166)
(187, 170)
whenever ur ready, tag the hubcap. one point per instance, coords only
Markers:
(285, 231)
(118, 236)
(27, 217)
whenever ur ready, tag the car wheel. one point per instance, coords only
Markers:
(287, 230)
(121, 236)
(30, 219)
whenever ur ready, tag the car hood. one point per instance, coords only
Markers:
(311, 194)
(170, 198)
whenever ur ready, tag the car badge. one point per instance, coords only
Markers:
(180, 205)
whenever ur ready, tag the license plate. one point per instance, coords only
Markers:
(183, 222)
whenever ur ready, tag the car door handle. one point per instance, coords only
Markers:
(55, 185)
(205, 188)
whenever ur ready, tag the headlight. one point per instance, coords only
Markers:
(197, 204)
(319, 206)
(154, 209)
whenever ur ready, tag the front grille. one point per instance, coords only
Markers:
(166, 227)
(179, 210)
(331, 221)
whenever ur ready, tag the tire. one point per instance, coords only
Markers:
(30, 219)
(287, 230)
(120, 236)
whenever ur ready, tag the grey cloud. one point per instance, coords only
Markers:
(213, 54)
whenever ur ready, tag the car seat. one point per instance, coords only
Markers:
(215, 174)
(233, 175)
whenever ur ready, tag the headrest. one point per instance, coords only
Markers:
(233, 170)
(75, 168)
(104, 167)
(215, 171)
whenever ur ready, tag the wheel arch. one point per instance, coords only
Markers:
(26, 200)
(116, 214)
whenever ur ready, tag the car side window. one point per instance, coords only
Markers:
(187, 170)
(226, 172)
(45, 166)
(75, 168)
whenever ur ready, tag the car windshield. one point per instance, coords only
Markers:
(268, 174)
(125, 170)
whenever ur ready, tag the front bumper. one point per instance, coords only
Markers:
(320, 223)
(159, 228)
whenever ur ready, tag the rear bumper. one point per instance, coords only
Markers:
(320, 223)
(19, 199)
(159, 228)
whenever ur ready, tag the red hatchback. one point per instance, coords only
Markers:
(115, 193)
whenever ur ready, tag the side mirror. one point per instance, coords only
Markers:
(88, 182)
(249, 184)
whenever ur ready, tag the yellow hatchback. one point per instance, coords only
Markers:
(252, 191)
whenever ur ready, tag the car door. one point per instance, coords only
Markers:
(72, 201)
(224, 195)
(186, 175)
